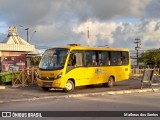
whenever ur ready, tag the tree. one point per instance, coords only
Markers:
(151, 57)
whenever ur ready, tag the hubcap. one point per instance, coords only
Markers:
(69, 86)
(110, 82)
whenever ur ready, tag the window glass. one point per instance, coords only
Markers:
(125, 58)
(53, 59)
(104, 58)
(116, 58)
(72, 59)
(91, 58)
(76, 58)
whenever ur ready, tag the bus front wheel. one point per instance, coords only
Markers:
(69, 86)
(110, 82)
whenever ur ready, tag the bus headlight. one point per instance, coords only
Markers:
(58, 76)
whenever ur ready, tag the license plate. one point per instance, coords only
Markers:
(47, 84)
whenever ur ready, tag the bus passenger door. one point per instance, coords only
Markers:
(77, 71)
(86, 66)
(86, 74)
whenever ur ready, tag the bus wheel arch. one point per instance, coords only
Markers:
(70, 85)
(111, 81)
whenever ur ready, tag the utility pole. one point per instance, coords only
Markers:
(138, 43)
(88, 35)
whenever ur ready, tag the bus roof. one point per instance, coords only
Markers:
(79, 47)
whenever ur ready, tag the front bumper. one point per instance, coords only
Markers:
(58, 83)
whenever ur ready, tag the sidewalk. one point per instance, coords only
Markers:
(12, 94)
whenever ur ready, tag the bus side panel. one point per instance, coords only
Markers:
(121, 73)
(97, 75)
(83, 75)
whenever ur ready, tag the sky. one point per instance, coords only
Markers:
(113, 23)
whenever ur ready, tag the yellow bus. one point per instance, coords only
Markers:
(74, 65)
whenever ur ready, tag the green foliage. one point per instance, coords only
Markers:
(151, 57)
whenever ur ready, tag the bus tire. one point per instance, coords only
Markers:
(69, 86)
(110, 82)
(45, 88)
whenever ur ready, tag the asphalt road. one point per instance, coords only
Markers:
(125, 102)
(12, 94)
(17, 94)
(149, 101)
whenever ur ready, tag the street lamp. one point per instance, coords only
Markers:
(27, 34)
(32, 35)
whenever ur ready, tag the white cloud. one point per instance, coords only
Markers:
(97, 30)
(60, 22)
(121, 34)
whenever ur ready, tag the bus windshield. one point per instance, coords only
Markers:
(53, 59)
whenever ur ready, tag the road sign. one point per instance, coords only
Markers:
(148, 78)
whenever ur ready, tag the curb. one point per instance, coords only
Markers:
(133, 91)
(2, 87)
(84, 95)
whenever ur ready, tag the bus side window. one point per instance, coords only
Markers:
(88, 61)
(72, 60)
(108, 61)
(94, 62)
(113, 62)
(119, 61)
(91, 58)
(116, 57)
(79, 59)
(104, 58)
(125, 56)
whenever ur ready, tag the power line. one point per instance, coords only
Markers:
(42, 47)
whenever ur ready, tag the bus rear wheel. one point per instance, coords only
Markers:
(69, 86)
(110, 82)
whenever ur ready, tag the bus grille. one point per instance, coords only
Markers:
(47, 78)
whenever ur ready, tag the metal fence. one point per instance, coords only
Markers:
(24, 77)
(139, 72)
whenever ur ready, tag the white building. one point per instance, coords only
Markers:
(13, 51)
